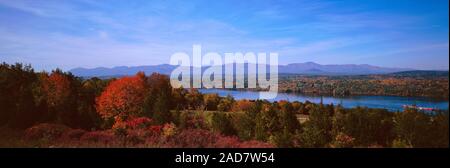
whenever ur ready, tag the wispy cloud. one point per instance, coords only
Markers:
(87, 33)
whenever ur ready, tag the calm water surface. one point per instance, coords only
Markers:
(392, 103)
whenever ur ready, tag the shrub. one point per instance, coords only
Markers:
(196, 121)
(200, 138)
(73, 134)
(45, 131)
(234, 142)
(169, 130)
(132, 123)
(192, 138)
(98, 136)
(227, 142)
(226, 104)
(211, 101)
(141, 122)
(220, 123)
(255, 144)
(401, 143)
(343, 141)
(135, 137)
(242, 105)
(155, 129)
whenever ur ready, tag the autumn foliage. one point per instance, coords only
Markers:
(242, 105)
(62, 110)
(122, 97)
(56, 86)
(45, 130)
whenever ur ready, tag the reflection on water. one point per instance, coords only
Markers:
(392, 103)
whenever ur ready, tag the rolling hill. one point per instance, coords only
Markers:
(308, 68)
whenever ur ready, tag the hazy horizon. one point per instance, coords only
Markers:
(84, 33)
(279, 65)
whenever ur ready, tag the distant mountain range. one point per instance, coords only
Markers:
(421, 73)
(308, 68)
(122, 70)
(345, 69)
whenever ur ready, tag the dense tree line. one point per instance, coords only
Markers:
(28, 98)
(140, 106)
(392, 85)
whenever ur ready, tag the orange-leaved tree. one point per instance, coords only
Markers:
(57, 89)
(242, 105)
(58, 92)
(123, 98)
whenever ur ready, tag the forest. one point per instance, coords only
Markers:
(58, 109)
(431, 84)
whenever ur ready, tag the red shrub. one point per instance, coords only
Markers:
(255, 144)
(154, 141)
(227, 142)
(156, 129)
(98, 136)
(73, 134)
(195, 122)
(141, 122)
(234, 142)
(45, 131)
(135, 137)
(200, 138)
(192, 138)
(132, 123)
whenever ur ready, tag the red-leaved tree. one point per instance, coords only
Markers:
(122, 98)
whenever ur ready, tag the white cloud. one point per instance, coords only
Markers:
(150, 35)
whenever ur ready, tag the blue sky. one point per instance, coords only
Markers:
(87, 33)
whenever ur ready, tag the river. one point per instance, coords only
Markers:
(391, 103)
